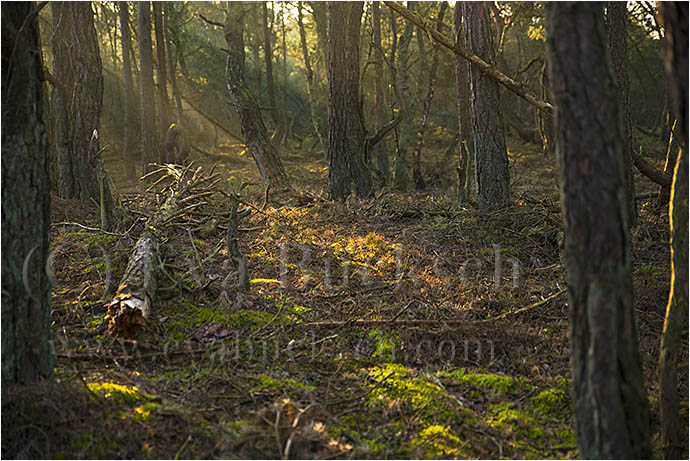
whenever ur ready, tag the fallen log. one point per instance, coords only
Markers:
(131, 306)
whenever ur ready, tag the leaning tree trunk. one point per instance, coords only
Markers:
(674, 436)
(417, 177)
(161, 52)
(465, 137)
(253, 128)
(149, 136)
(346, 162)
(77, 102)
(618, 47)
(493, 180)
(26, 351)
(611, 407)
(128, 106)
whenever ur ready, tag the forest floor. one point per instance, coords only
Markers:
(373, 329)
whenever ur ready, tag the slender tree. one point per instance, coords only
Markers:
(149, 135)
(493, 180)
(674, 438)
(465, 137)
(270, 81)
(380, 153)
(26, 352)
(417, 167)
(310, 77)
(617, 36)
(76, 104)
(162, 75)
(346, 164)
(253, 128)
(611, 407)
(128, 101)
(406, 108)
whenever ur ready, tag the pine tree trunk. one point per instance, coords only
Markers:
(674, 433)
(493, 180)
(270, 82)
(465, 137)
(128, 105)
(611, 407)
(162, 76)
(346, 165)
(618, 47)
(172, 30)
(26, 350)
(77, 102)
(253, 128)
(149, 134)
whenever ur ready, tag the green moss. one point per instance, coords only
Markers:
(499, 385)
(119, 394)
(385, 346)
(552, 402)
(438, 441)
(143, 412)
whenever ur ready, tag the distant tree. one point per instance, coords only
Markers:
(675, 16)
(26, 352)
(491, 156)
(417, 177)
(346, 162)
(462, 82)
(162, 75)
(128, 101)
(380, 152)
(149, 135)
(310, 77)
(270, 81)
(76, 103)
(618, 47)
(401, 171)
(611, 407)
(253, 128)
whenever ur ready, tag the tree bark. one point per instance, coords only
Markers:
(611, 407)
(26, 349)
(253, 128)
(270, 82)
(310, 77)
(162, 75)
(493, 180)
(417, 177)
(77, 102)
(346, 163)
(128, 101)
(674, 435)
(465, 138)
(173, 38)
(149, 136)
(618, 47)
(406, 105)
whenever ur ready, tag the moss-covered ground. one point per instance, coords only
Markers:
(371, 329)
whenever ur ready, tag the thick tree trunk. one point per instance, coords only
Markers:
(346, 164)
(128, 105)
(162, 75)
(253, 128)
(77, 102)
(310, 77)
(26, 350)
(465, 138)
(417, 167)
(618, 47)
(493, 181)
(380, 153)
(149, 136)
(674, 434)
(611, 407)
(406, 108)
